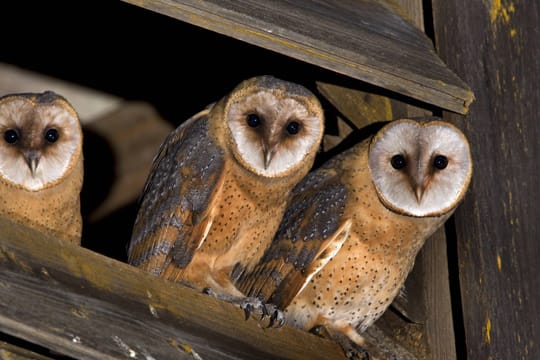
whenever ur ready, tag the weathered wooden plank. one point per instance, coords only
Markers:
(359, 107)
(431, 271)
(85, 305)
(495, 47)
(366, 40)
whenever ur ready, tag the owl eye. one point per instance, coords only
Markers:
(398, 162)
(51, 135)
(293, 128)
(440, 162)
(253, 120)
(11, 136)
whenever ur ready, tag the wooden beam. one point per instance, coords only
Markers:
(495, 46)
(85, 305)
(364, 39)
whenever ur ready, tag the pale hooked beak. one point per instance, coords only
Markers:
(32, 159)
(419, 192)
(269, 150)
(420, 188)
(268, 155)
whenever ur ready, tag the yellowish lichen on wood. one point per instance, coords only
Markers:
(500, 10)
(487, 331)
(8, 256)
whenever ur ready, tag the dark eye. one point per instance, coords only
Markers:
(398, 162)
(11, 136)
(293, 128)
(440, 162)
(253, 120)
(51, 135)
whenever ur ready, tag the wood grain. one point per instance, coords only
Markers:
(85, 305)
(495, 47)
(364, 39)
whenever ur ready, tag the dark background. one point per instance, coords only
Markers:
(136, 54)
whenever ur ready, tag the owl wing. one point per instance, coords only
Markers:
(311, 232)
(175, 211)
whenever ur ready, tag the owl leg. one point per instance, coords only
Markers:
(353, 346)
(250, 305)
(275, 315)
(385, 346)
(372, 344)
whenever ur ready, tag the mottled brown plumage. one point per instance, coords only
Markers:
(219, 186)
(346, 245)
(41, 163)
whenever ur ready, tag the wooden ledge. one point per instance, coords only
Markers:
(85, 305)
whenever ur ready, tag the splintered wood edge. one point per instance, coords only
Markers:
(456, 98)
(80, 289)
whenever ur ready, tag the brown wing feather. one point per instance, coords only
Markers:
(173, 215)
(295, 281)
(310, 224)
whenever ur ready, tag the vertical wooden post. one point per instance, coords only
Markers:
(495, 47)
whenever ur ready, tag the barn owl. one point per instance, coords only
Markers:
(220, 182)
(41, 163)
(352, 230)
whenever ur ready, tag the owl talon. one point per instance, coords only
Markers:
(247, 310)
(264, 312)
(207, 291)
(354, 351)
(356, 355)
(267, 310)
(277, 315)
(251, 303)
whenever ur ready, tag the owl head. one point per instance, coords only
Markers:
(40, 139)
(275, 126)
(420, 168)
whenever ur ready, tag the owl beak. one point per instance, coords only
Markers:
(420, 188)
(32, 159)
(419, 192)
(268, 153)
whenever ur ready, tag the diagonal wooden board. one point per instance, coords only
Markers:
(85, 305)
(367, 40)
